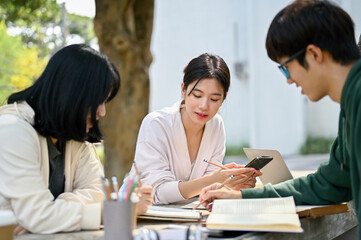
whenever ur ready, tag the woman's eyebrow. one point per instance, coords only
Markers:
(216, 93)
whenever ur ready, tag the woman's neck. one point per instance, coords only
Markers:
(189, 127)
(54, 140)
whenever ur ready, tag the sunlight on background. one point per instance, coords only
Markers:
(80, 7)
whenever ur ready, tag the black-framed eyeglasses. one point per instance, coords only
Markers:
(282, 67)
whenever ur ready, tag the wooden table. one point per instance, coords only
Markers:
(326, 227)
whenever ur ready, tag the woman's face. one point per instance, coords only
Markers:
(203, 102)
(101, 111)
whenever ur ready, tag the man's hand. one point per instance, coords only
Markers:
(212, 192)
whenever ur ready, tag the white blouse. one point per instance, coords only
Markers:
(162, 153)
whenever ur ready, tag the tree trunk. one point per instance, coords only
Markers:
(124, 29)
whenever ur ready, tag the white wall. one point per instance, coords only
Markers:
(262, 110)
(277, 110)
(184, 29)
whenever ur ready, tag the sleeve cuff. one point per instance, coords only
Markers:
(91, 216)
(252, 192)
(171, 193)
(267, 191)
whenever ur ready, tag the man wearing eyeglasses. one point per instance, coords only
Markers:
(314, 42)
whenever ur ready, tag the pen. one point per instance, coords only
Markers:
(220, 186)
(138, 174)
(129, 186)
(214, 164)
(115, 186)
(106, 188)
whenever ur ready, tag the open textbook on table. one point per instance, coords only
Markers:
(261, 214)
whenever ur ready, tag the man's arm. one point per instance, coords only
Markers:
(329, 184)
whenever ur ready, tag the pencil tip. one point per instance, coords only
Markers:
(205, 160)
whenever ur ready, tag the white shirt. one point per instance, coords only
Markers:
(24, 177)
(162, 152)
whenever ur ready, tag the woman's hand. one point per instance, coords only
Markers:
(242, 177)
(19, 230)
(212, 192)
(233, 165)
(145, 198)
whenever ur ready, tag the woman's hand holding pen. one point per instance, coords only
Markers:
(243, 177)
(220, 175)
(234, 165)
(145, 198)
(216, 191)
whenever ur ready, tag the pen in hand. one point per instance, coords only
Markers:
(214, 164)
(138, 174)
(219, 187)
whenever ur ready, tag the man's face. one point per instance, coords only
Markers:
(308, 79)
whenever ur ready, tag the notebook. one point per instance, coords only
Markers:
(171, 214)
(275, 171)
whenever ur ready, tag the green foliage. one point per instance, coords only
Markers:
(317, 145)
(19, 65)
(100, 151)
(81, 26)
(37, 28)
(40, 23)
(33, 20)
(28, 11)
(236, 150)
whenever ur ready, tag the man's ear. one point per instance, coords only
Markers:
(315, 53)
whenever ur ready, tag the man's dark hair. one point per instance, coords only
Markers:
(305, 22)
(76, 80)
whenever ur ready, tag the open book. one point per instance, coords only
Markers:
(314, 211)
(261, 214)
(171, 214)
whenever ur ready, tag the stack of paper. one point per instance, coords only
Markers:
(174, 214)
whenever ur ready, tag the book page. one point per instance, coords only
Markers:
(266, 219)
(266, 222)
(172, 212)
(254, 206)
(193, 204)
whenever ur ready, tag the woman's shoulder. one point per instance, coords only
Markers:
(164, 116)
(17, 117)
(216, 121)
(15, 130)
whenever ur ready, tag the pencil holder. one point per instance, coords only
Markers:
(134, 204)
(118, 220)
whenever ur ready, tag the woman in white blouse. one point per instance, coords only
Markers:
(173, 142)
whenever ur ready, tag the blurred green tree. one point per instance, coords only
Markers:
(19, 65)
(81, 26)
(45, 24)
(38, 28)
(36, 21)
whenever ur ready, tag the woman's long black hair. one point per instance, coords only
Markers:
(76, 80)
